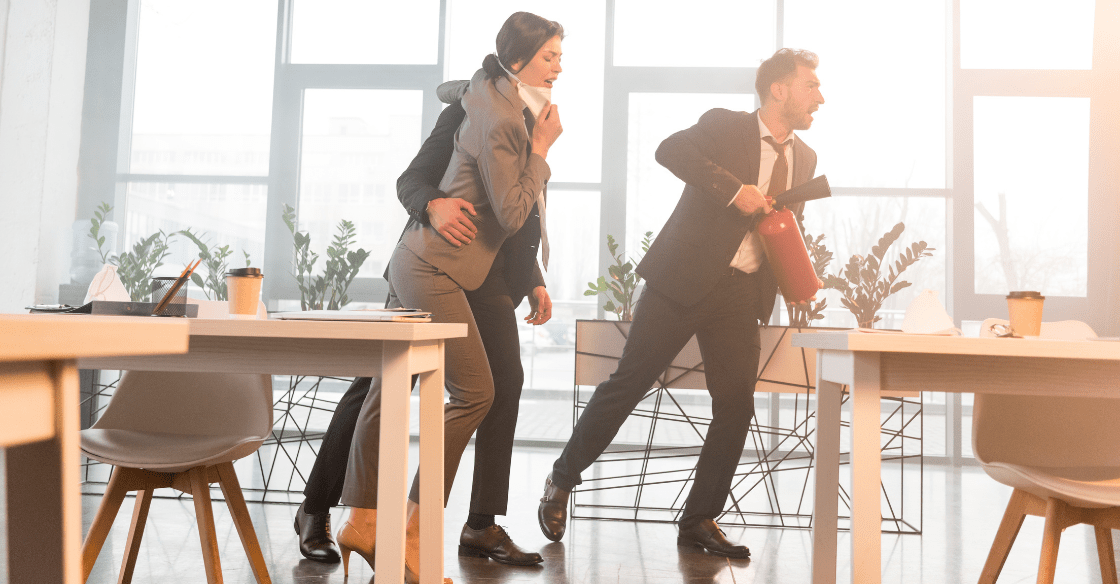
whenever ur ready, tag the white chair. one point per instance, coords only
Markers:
(179, 430)
(1062, 457)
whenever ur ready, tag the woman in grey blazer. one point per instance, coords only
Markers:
(499, 166)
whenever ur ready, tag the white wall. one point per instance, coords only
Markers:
(42, 74)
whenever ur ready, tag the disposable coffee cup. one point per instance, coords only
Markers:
(244, 288)
(1024, 310)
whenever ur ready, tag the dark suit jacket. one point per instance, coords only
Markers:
(714, 158)
(418, 185)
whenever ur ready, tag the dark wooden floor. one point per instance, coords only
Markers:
(962, 510)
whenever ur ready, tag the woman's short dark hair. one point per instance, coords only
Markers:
(522, 35)
(780, 66)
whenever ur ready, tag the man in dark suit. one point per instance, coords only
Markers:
(513, 276)
(706, 275)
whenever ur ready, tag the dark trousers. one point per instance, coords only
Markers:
(493, 309)
(729, 344)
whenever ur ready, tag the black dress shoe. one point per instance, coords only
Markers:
(707, 535)
(552, 514)
(315, 539)
(493, 542)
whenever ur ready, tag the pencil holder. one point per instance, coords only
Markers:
(177, 305)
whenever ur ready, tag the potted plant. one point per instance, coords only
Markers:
(624, 281)
(341, 268)
(134, 268)
(863, 283)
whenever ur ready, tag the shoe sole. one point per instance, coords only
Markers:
(681, 542)
(469, 552)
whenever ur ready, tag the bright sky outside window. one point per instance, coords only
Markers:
(1027, 34)
(204, 87)
(1041, 173)
(699, 33)
(360, 32)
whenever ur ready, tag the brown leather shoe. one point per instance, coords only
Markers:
(707, 535)
(552, 514)
(493, 542)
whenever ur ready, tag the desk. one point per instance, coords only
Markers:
(39, 428)
(870, 363)
(393, 351)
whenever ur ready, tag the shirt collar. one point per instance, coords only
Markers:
(763, 131)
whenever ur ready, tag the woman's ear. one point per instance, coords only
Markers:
(516, 67)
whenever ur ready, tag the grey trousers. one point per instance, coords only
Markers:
(417, 284)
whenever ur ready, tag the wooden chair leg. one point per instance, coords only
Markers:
(1105, 554)
(1009, 527)
(204, 515)
(135, 534)
(103, 521)
(1051, 539)
(235, 500)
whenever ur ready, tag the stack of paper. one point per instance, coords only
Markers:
(371, 315)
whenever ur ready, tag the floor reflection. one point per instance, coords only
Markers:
(962, 511)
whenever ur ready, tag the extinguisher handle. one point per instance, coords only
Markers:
(812, 190)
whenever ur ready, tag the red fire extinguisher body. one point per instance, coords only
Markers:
(789, 260)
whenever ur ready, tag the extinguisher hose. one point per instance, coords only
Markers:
(812, 190)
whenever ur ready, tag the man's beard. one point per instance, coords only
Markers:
(795, 118)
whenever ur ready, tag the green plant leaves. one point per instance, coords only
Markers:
(862, 284)
(98, 219)
(342, 264)
(623, 281)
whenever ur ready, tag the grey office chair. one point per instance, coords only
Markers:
(1059, 454)
(183, 431)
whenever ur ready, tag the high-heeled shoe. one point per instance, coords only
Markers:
(410, 577)
(351, 539)
(412, 548)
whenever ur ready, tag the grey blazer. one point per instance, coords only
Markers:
(492, 168)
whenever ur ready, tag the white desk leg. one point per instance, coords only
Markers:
(826, 479)
(392, 471)
(431, 474)
(867, 518)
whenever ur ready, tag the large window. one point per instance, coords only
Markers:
(986, 126)
(1031, 185)
(199, 127)
(359, 32)
(648, 37)
(355, 142)
(1012, 34)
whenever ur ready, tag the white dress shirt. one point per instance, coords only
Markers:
(749, 256)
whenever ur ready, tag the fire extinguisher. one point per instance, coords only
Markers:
(784, 245)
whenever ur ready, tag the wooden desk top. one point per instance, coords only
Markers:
(323, 329)
(932, 344)
(39, 337)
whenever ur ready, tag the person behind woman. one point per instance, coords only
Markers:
(498, 166)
